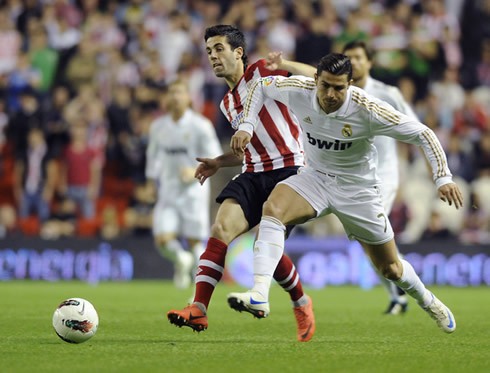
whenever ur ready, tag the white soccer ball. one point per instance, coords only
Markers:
(75, 320)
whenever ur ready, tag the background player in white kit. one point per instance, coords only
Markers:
(339, 122)
(182, 208)
(387, 168)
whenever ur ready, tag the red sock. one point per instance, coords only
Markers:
(287, 276)
(210, 269)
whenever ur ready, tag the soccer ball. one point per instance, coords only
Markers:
(75, 320)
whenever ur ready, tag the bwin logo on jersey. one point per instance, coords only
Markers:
(235, 123)
(325, 144)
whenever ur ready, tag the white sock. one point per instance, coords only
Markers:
(268, 250)
(171, 250)
(412, 285)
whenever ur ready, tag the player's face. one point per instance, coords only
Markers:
(360, 63)
(178, 98)
(331, 90)
(222, 59)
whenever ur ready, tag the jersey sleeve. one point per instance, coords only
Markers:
(386, 121)
(152, 167)
(278, 88)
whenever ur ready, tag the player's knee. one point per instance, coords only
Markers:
(392, 271)
(272, 208)
(222, 231)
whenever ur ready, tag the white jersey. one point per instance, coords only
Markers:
(386, 146)
(174, 145)
(341, 143)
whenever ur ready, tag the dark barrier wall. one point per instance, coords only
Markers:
(320, 262)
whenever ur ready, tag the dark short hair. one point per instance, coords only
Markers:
(359, 44)
(234, 37)
(336, 64)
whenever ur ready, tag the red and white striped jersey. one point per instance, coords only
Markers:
(277, 139)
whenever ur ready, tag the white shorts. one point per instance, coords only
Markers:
(189, 221)
(359, 208)
(388, 195)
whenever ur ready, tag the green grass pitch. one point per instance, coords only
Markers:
(134, 335)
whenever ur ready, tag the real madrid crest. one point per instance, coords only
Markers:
(347, 130)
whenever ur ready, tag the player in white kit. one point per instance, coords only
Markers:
(387, 168)
(339, 123)
(182, 208)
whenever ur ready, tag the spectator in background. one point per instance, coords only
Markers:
(28, 10)
(82, 67)
(281, 34)
(460, 157)
(175, 38)
(482, 155)
(11, 42)
(34, 181)
(86, 106)
(118, 117)
(138, 215)
(57, 134)
(23, 77)
(44, 59)
(29, 116)
(4, 121)
(7, 220)
(62, 221)
(314, 42)
(133, 144)
(471, 120)
(448, 90)
(80, 171)
(476, 227)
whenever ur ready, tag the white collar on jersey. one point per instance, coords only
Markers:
(340, 112)
(184, 118)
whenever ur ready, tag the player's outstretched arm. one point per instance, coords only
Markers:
(451, 193)
(209, 166)
(274, 61)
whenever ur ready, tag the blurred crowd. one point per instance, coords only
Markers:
(82, 80)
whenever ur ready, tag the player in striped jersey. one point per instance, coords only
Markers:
(387, 168)
(274, 154)
(339, 122)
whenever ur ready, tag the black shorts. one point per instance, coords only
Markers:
(251, 190)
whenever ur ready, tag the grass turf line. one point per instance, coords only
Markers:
(134, 335)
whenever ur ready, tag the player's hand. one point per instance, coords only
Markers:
(273, 60)
(207, 168)
(450, 193)
(239, 142)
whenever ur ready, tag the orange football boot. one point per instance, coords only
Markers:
(305, 319)
(190, 316)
